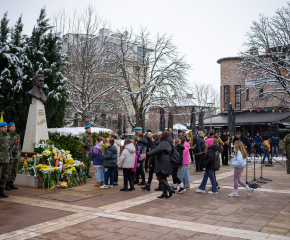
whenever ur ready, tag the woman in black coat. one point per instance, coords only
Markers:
(163, 166)
(154, 144)
(176, 181)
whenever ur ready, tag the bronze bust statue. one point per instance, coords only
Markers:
(36, 91)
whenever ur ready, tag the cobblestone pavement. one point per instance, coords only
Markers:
(87, 212)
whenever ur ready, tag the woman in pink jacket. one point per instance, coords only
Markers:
(183, 173)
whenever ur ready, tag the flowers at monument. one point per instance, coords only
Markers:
(103, 148)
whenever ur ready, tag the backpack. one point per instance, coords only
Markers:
(265, 148)
(174, 157)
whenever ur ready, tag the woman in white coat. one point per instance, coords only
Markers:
(238, 163)
(127, 162)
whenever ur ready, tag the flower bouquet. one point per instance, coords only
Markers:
(103, 148)
(39, 147)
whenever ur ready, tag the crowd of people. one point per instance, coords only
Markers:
(167, 156)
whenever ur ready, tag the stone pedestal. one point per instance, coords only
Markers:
(26, 181)
(36, 126)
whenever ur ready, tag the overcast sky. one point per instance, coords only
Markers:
(204, 30)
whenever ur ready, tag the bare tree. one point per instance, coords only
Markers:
(266, 62)
(206, 93)
(89, 82)
(149, 70)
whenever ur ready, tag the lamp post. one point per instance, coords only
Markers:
(210, 104)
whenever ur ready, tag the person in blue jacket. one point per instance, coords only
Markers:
(258, 143)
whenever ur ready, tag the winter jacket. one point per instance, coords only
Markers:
(275, 141)
(141, 146)
(97, 156)
(240, 139)
(238, 161)
(110, 157)
(225, 138)
(179, 148)
(266, 143)
(200, 145)
(162, 160)
(125, 137)
(258, 140)
(211, 157)
(186, 154)
(118, 146)
(127, 158)
(152, 158)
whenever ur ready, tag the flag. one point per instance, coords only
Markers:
(1, 118)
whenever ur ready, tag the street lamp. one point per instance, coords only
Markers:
(210, 104)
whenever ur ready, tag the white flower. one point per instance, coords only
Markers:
(68, 157)
(69, 172)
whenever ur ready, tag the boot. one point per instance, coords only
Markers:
(88, 174)
(125, 188)
(132, 187)
(2, 194)
(12, 186)
(167, 187)
(98, 184)
(142, 183)
(7, 186)
(147, 187)
(159, 188)
(164, 194)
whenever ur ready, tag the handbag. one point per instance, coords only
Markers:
(174, 158)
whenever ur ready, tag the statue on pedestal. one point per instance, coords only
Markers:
(36, 91)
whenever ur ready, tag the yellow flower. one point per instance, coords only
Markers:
(39, 166)
(55, 168)
(73, 169)
(67, 152)
(40, 170)
(25, 165)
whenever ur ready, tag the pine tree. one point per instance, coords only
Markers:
(44, 51)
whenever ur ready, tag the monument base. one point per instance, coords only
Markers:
(36, 126)
(26, 181)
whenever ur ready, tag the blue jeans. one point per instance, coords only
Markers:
(99, 174)
(258, 149)
(183, 175)
(208, 174)
(275, 150)
(266, 154)
(109, 173)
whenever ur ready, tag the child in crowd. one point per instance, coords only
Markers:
(176, 181)
(96, 154)
(183, 173)
(210, 166)
(127, 162)
(266, 148)
(238, 163)
(109, 162)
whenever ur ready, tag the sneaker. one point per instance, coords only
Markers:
(174, 188)
(105, 186)
(181, 190)
(211, 192)
(233, 194)
(110, 186)
(200, 191)
(249, 192)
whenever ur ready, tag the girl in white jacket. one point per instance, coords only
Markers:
(127, 162)
(238, 163)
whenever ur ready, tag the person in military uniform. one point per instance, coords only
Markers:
(5, 152)
(286, 150)
(138, 130)
(86, 142)
(15, 156)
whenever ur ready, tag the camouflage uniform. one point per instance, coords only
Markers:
(84, 140)
(135, 138)
(5, 152)
(13, 167)
(286, 148)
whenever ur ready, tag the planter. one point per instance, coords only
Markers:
(26, 181)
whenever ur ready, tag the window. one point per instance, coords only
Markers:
(260, 93)
(238, 97)
(247, 94)
(227, 96)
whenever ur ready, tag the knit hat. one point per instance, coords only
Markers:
(209, 141)
(149, 130)
(211, 134)
(179, 131)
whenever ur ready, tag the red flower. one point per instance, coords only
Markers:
(87, 149)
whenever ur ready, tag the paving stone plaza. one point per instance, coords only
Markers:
(88, 212)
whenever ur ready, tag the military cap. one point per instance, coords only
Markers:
(10, 124)
(88, 126)
(138, 128)
(2, 124)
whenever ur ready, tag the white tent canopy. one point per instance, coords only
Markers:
(178, 126)
(74, 131)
